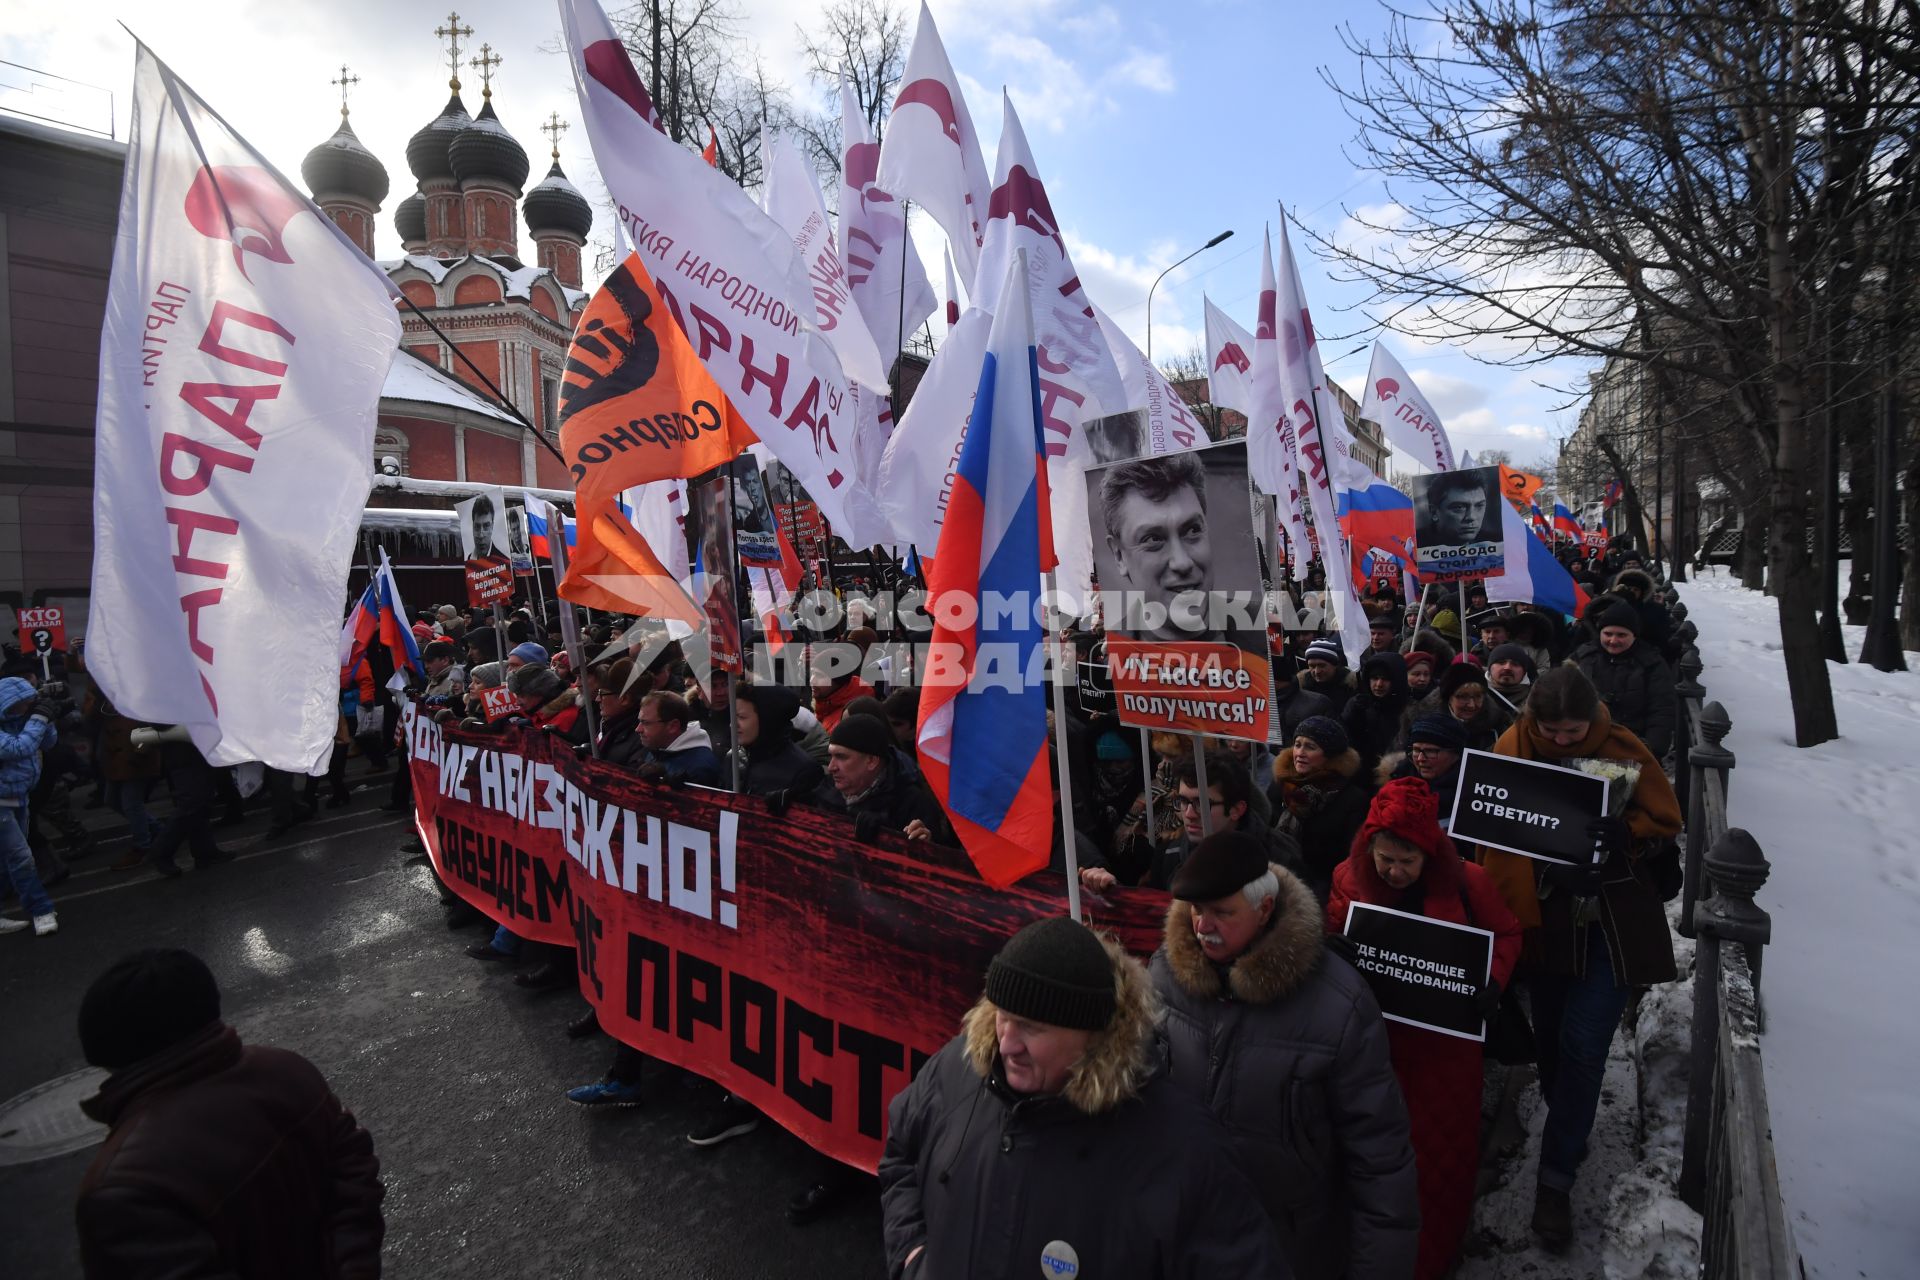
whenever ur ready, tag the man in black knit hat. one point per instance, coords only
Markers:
(220, 1159)
(1046, 1135)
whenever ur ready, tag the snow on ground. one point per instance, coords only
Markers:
(1840, 824)
(1629, 1223)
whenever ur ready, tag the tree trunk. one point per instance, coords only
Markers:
(1856, 512)
(1910, 580)
(1750, 560)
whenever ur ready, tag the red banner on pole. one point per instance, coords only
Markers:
(489, 582)
(808, 974)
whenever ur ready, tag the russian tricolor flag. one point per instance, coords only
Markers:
(1378, 518)
(541, 518)
(983, 721)
(379, 614)
(1532, 574)
(1565, 523)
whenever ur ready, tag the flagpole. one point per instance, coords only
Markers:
(733, 582)
(487, 382)
(1419, 617)
(569, 624)
(1200, 781)
(1069, 846)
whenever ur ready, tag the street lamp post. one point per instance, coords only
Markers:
(1163, 275)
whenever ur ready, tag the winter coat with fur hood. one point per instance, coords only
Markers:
(1128, 1171)
(1287, 1047)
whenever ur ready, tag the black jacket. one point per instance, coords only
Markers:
(1129, 1172)
(1322, 815)
(897, 798)
(1288, 1049)
(1373, 724)
(231, 1162)
(1295, 703)
(1336, 691)
(620, 740)
(779, 765)
(1637, 687)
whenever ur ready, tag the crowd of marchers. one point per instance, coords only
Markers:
(1238, 1093)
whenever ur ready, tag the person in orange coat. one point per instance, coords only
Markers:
(1593, 933)
(1403, 860)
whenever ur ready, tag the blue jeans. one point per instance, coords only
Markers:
(1573, 1022)
(130, 799)
(505, 941)
(13, 847)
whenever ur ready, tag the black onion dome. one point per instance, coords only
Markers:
(410, 219)
(342, 163)
(484, 149)
(427, 149)
(557, 205)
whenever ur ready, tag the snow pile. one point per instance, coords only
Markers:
(1650, 1233)
(1837, 822)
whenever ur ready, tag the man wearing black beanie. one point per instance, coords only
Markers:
(1047, 1134)
(220, 1159)
(874, 783)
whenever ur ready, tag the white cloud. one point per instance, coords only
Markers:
(1528, 431)
(1149, 71)
(1454, 398)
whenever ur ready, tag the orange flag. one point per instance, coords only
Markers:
(712, 152)
(636, 405)
(1518, 487)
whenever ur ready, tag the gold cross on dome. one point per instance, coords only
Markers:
(485, 63)
(453, 33)
(553, 128)
(343, 83)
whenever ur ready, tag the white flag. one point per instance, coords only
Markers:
(931, 154)
(1272, 450)
(916, 469)
(1394, 401)
(728, 271)
(793, 201)
(1170, 426)
(245, 345)
(889, 282)
(1229, 362)
(1327, 463)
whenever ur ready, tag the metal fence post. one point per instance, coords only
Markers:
(1739, 871)
(1729, 916)
(1715, 725)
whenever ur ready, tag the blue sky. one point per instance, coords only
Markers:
(1154, 126)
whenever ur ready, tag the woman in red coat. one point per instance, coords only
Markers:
(1402, 859)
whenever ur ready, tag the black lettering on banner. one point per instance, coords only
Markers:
(586, 944)
(689, 970)
(552, 891)
(642, 952)
(522, 864)
(815, 1095)
(875, 1054)
(746, 995)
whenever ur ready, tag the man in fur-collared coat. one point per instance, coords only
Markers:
(1283, 1040)
(1045, 1137)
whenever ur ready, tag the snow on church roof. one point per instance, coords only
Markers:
(517, 282)
(411, 378)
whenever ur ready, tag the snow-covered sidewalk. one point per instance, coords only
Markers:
(1840, 824)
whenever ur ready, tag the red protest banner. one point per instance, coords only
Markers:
(498, 703)
(806, 973)
(43, 630)
(489, 582)
(1190, 687)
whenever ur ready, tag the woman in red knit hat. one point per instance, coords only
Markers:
(1403, 860)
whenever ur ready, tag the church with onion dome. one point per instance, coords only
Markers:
(479, 310)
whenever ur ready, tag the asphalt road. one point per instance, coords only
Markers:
(327, 943)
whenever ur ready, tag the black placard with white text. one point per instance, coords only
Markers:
(1526, 807)
(1424, 972)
